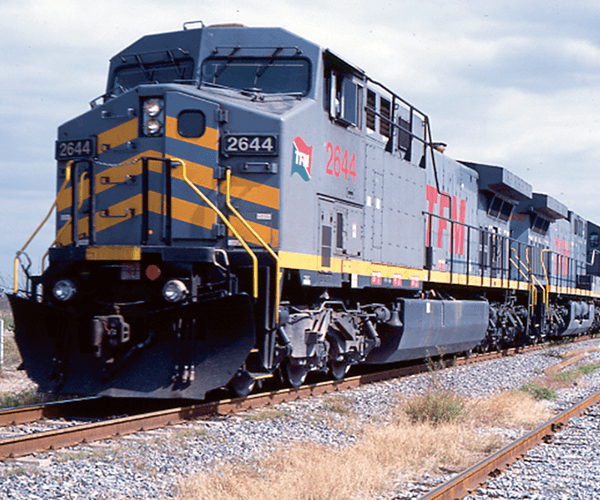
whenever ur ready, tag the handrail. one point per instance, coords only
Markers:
(220, 214)
(66, 181)
(69, 221)
(58, 236)
(261, 241)
(547, 289)
(81, 179)
(517, 267)
(519, 263)
(533, 276)
(532, 288)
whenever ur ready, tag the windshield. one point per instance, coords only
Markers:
(268, 75)
(128, 77)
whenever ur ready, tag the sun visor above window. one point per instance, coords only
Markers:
(341, 64)
(502, 182)
(546, 206)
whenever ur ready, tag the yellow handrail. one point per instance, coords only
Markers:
(547, 288)
(81, 179)
(226, 222)
(532, 288)
(261, 241)
(58, 236)
(520, 263)
(531, 278)
(67, 179)
(518, 268)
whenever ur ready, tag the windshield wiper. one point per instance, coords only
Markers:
(147, 72)
(219, 86)
(261, 71)
(220, 70)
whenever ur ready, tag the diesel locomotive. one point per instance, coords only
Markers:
(243, 204)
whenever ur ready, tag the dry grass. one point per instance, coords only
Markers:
(11, 355)
(384, 455)
(514, 409)
(545, 386)
(309, 471)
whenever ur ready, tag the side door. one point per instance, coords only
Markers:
(192, 135)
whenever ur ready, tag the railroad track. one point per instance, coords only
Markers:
(469, 480)
(112, 426)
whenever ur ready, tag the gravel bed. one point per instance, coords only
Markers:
(148, 465)
(566, 468)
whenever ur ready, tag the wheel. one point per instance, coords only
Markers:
(295, 374)
(338, 369)
(242, 384)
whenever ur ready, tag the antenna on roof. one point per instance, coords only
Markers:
(185, 25)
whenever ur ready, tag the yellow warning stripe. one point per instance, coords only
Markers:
(209, 140)
(193, 213)
(309, 262)
(115, 214)
(123, 253)
(268, 234)
(200, 175)
(292, 260)
(242, 189)
(117, 136)
(254, 192)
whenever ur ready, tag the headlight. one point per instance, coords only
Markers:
(174, 291)
(153, 117)
(153, 127)
(64, 290)
(153, 107)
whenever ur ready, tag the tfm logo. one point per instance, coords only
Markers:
(443, 201)
(302, 159)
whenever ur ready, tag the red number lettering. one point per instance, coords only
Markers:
(329, 150)
(352, 169)
(337, 162)
(345, 164)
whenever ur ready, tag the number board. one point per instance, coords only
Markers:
(66, 150)
(234, 144)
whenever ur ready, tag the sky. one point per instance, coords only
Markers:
(510, 82)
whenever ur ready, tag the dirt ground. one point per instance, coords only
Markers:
(13, 380)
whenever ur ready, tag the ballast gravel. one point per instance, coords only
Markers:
(149, 465)
(566, 468)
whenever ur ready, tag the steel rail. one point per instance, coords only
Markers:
(70, 436)
(469, 480)
(32, 413)
(58, 438)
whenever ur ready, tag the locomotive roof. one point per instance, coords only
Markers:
(548, 206)
(221, 40)
(501, 181)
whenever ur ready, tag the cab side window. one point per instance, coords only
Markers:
(342, 92)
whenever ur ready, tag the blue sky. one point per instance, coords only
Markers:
(513, 83)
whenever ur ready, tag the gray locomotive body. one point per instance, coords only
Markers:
(243, 204)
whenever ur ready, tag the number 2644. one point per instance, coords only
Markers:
(338, 162)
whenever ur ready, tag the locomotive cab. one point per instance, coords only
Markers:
(164, 266)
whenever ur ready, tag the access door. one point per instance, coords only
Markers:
(192, 135)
